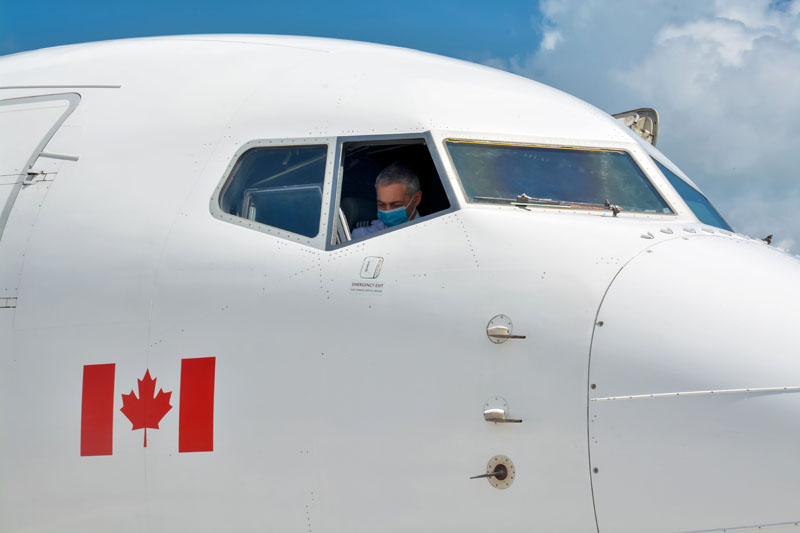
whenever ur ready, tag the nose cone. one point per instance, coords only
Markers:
(694, 408)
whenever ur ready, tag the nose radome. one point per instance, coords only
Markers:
(694, 407)
(706, 312)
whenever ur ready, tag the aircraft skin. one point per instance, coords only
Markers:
(349, 402)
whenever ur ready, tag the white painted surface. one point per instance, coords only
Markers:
(23, 125)
(677, 321)
(27, 125)
(334, 410)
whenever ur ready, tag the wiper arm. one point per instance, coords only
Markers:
(615, 209)
(523, 200)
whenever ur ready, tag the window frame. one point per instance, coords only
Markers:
(665, 193)
(317, 241)
(433, 152)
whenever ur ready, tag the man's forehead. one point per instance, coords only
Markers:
(392, 189)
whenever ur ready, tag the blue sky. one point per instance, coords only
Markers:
(724, 74)
(465, 28)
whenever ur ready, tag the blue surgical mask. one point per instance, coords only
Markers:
(393, 217)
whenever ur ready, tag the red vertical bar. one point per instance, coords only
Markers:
(97, 410)
(196, 418)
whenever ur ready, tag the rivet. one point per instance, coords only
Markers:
(596, 470)
(600, 323)
(594, 385)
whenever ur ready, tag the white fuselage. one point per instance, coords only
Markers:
(345, 402)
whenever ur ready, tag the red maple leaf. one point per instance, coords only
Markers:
(148, 409)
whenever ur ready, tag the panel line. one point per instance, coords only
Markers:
(698, 393)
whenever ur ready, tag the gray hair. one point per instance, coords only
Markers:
(398, 173)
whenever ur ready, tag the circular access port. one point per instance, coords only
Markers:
(505, 472)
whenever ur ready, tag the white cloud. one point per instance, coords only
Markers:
(551, 39)
(724, 75)
(724, 40)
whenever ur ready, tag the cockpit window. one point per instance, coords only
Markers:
(553, 177)
(698, 203)
(386, 183)
(278, 186)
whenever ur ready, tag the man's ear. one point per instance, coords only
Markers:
(417, 198)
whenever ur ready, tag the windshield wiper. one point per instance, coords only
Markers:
(523, 200)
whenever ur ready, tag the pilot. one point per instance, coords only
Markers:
(398, 194)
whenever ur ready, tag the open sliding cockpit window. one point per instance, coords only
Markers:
(547, 176)
(386, 184)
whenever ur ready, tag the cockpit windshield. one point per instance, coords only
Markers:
(698, 203)
(553, 176)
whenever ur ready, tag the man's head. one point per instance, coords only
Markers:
(396, 188)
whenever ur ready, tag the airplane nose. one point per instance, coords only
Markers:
(694, 399)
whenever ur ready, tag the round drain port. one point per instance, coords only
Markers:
(504, 472)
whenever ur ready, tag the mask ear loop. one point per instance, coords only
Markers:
(413, 211)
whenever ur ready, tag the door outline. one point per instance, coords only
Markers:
(73, 99)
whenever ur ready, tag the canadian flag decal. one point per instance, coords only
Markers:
(195, 416)
(147, 410)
